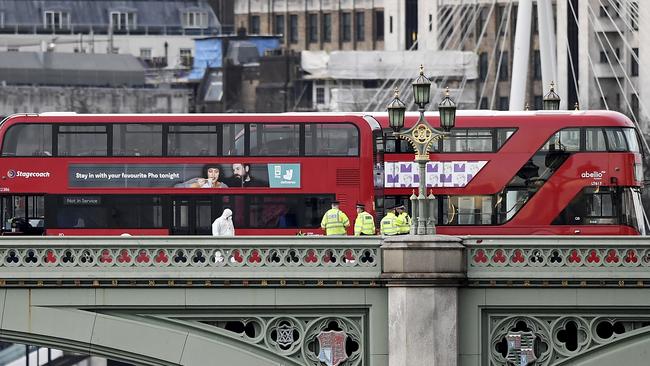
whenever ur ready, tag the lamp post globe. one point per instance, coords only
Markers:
(552, 100)
(396, 110)
(447, 109)
(422, 89)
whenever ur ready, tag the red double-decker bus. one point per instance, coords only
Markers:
(76, 174)
(499, 173)
(512, 173)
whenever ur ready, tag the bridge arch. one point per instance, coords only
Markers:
(120, 335)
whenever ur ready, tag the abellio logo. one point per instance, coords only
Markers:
(594, 174)
(11, 173)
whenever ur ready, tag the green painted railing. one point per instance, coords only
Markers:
(550, 260)
(238, 260)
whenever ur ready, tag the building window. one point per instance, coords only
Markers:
(500, 22)
(634, 64)
(313, 28)
(635, 106)
(503, 69)
(54, 20)
(346, 27)
(293, 28)
(390, 24)
(327, 27)
(503, 103)
(603, 57)
(360, 26)
(634, 15)
(122, 21)
(537, 66)
(483, 66)
(320, 92)
(2, 19)
(186, 57)
(484, 103)
(278, 26)
(603, 11)
(255, 24)
(195, 19)
(430, 22)
(145, 53)
(481, 20)
(379, 25)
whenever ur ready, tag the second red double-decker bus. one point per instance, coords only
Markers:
(516, 173)
(76, 174)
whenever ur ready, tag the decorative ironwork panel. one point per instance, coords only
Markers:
(520, 338)
(298, 339)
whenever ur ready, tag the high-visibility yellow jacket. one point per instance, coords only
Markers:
(388, 225)
(364, 224)
(403, 223)
(334, 222)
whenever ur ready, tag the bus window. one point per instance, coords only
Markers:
(468, 140)
(632, 141)
(467, 210)
(234, 135)
(137, 139)
(616, 139)
(331, 139)
(192, 140)
(28, 140)
(564, 140)
(595, 139)
(87, 140)
(274, 139)
(503, 134)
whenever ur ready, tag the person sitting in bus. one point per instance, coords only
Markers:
(223, 225)
(241, 177)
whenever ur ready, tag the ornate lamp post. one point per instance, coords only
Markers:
(421, 136)
(551, 99)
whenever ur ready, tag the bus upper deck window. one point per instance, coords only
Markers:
(28, 140)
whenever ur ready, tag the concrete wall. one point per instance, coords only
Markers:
(31, 99)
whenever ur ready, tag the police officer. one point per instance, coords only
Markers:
(335, 221)
(364, 224)
(403, 220)
(388, 225)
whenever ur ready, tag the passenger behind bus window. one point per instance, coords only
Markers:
(241, 177)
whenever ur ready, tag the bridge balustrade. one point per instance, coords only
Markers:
(43, 261)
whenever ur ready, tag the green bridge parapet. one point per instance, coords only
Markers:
(621, 261)
(190, 260)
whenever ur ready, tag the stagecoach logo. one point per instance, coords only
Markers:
(332, 347)
(595, 174)
(21, 174)
(521, 350)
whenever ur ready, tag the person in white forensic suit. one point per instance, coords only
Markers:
(223, 225)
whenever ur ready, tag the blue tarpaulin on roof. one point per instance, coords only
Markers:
(209, 52)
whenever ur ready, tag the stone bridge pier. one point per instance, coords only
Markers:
(423, 274)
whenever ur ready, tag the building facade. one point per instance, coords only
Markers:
(159, 32)
(312, 25)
